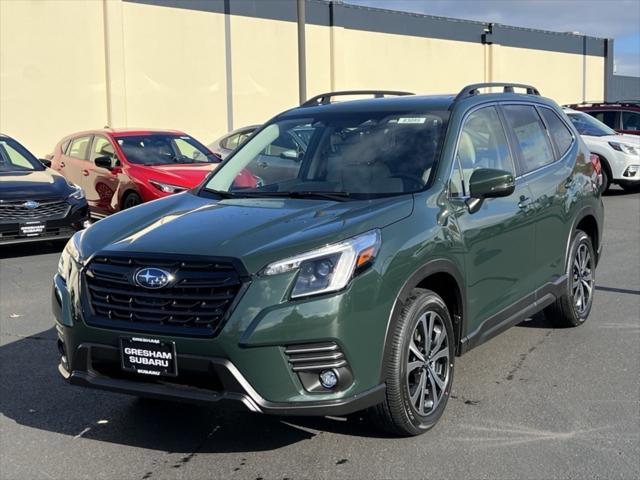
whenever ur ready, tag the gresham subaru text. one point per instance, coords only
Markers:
(403, 232)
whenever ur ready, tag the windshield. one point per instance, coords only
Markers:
(164, 149)
(587, 125)
(15, 158)
(361, 155)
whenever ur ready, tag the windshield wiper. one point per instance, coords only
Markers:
(335, 196)
(221, 193)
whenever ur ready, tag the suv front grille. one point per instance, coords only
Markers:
(16, 210)
(194, 303)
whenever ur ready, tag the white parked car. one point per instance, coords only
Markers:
(619, 154)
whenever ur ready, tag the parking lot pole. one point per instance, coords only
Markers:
(302, 55)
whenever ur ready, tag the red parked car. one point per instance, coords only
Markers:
(120, 168)
(623, 117)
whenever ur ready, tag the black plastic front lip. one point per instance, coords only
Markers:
(235, 387)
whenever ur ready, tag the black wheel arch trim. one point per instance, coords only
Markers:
(428, 269)
(584, 212)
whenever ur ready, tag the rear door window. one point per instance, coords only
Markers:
(558, 130)
(532, 139)
(606, 117)
(79, 147)
(631, 121)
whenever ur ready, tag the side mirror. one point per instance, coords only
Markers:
(489, 183)
(104, 162)
(45, 162)
(290, 155)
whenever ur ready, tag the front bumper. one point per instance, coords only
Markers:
(224, 380)
(55, 228)
(250, 360)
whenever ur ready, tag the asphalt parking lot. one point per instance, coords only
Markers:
(535, 402)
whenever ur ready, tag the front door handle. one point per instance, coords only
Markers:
(263, 164)
(524, 202)
(85, 173)
(61, 164)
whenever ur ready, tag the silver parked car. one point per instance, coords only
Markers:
(224, 145)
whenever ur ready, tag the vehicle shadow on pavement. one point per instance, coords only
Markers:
(29, 249)
(539, 320)
(35, 395)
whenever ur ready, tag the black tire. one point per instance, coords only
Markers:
(131, 200)
(606, 175)
(402, 412)
(567, 310)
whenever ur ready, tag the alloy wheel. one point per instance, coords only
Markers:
(428, 363)
(582, 279)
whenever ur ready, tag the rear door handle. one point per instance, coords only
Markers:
(263, 164)
(85, 173)
(61, 164)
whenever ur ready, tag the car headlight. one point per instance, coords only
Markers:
(330, 268)
(624, 147)
(166, 187)
(70, 255)
(78, 192)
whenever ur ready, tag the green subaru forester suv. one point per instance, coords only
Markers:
(341, 258)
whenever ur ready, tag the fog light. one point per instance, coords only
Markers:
(63, 354)
(328, 378)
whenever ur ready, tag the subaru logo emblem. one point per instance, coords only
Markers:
(30, 204)
(151, 277)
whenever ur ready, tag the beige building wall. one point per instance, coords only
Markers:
(557, 75)
(52, 70)
(174, 71)
(69, 65)
(319, 53)
(595, 68)
(365, 59)
(264, 59)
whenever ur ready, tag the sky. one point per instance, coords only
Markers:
(617, 19)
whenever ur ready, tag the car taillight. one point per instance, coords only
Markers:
(595, 161)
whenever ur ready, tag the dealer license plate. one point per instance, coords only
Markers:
(32, 229)
(148, 356)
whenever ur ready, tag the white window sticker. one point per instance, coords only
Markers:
(413, 120)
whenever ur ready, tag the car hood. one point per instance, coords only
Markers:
(34, 185)
(182, 175)
(256, 231)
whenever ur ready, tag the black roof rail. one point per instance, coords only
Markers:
(471, 90)
(604, 104)
(325, 98)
